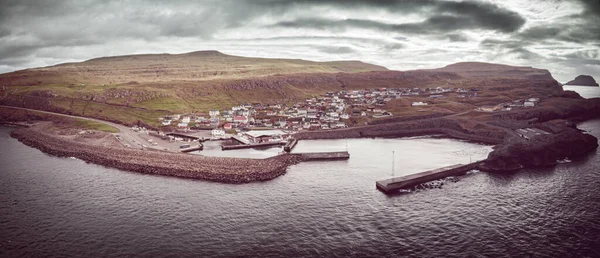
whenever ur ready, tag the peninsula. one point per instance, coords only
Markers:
(583, 80)
(93, 110)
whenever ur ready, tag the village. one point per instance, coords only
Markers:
(258, 123)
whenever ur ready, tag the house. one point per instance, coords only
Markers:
(182, 125)
(529, 104)
(416, 104)
(217, 132)
(214, 113)
(240, 119)
(228, 126)
(166, 122)
(185, 119)
(259, 136)
(344, 116)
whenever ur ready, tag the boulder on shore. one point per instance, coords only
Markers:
(583, 80)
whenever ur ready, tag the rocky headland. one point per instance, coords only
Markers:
(540, 151)
(583, 80)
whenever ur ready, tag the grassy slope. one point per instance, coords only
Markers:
(144, 87)
(17, 115)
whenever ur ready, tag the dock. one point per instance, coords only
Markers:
(192, 148)
(291, 143)
(394, 184)
(184, 136)
(249, 146)
(324, 155)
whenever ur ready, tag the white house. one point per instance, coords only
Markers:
(529, 104)
(214, 113)
(217, 132)
(185, 119)
(415, 104)
(166, 122)
(344, 116)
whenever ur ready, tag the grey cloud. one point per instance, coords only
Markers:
(439, 23)
(449, 15)
(579, 28)
(336, 50)
(457, 37)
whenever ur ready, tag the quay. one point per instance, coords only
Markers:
(291, 143)
(394, 184)
(249, 146)
(192, 148)
(324, 155)
(184, 136)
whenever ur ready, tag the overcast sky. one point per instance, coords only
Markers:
(560, 35)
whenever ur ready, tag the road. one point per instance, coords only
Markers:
(126, 135)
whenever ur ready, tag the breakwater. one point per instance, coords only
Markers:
(394, 184)
(226, 170)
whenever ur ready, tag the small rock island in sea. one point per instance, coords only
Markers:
(583, 80)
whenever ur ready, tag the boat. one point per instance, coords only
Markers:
(563, 161)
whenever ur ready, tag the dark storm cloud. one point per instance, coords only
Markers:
(439, 23)
(447, 15)
(580, 28)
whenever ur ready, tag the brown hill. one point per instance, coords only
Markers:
(144, 87)
(488, 70)
(194, 66)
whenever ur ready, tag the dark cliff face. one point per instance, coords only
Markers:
(583, 80)
(540, 151)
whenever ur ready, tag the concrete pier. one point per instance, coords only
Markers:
(291, 143)
(192, 148)
(324, 155)
(184, 136)
(248, 146)
(394, 184)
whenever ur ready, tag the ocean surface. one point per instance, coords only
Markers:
(64, 207)
(585, 91)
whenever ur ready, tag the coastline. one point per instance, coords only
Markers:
(225, 170)
(510, 151)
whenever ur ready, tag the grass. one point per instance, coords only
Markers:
(91, 125)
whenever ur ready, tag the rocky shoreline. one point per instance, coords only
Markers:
(225, 170)
(447, 127)
(510, 151)
(540, 151)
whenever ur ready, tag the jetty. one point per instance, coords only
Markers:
(249, 146)
(396, 183)
(192, 148)
(184, 136)
(291, 143)
(339, 155)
